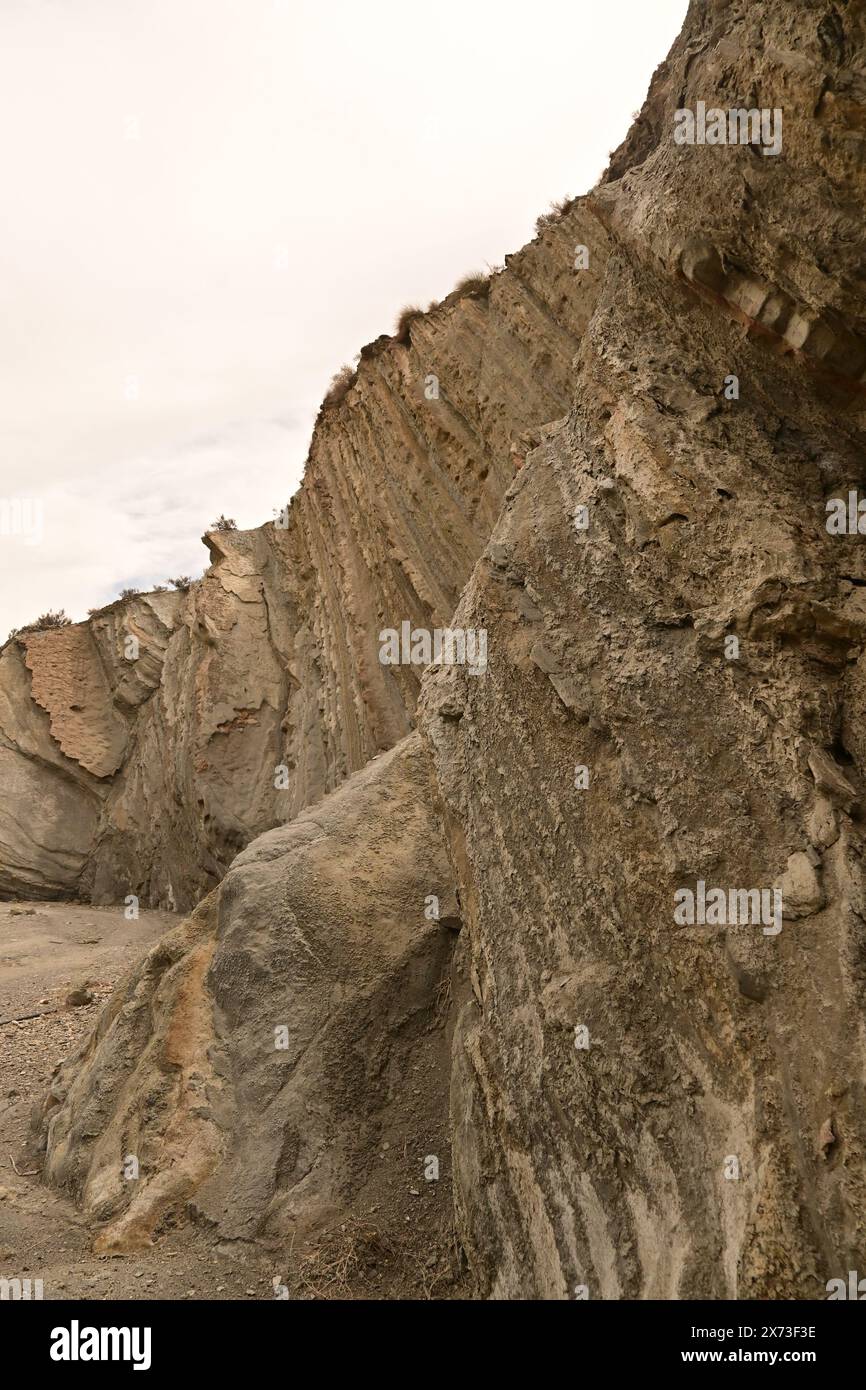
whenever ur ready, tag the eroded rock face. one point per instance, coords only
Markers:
(70, 703)
(258, 1058)
(709, 1140)
(642, 1104)
(261, 690)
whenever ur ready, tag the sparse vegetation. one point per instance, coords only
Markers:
(42, 623)
(182, 582)
(556, 211)
(223, 523)
(405, 319)
(327, 1269)
(472, 284)
(341, 384)
(128, 593)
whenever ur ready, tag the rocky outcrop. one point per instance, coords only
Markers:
(260, 690)
(645, 1101)
(264, 1057)
(71, 699)
(644, 1108)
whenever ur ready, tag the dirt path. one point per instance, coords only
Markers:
(47, 951)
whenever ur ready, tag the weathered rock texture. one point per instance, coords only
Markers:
(261, 1055)
(150, 774)
(607, 1167)
(709, 1141)
(70, 709)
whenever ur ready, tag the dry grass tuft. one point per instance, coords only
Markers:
(405, 319)
(341, 385)
(475, 283)
(556, 211)
(326, 1270)
(42, 623)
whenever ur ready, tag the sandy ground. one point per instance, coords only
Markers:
(48, 951)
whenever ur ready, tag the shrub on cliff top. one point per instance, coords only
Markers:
(45, 620)
(472, 284)
(557, 210)
(223, 523)
(341, 384)
(182, 582)
(405, 319)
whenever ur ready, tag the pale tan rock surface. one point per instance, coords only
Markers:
(70, 702)
(639, 1107)
(150, 774)
(710, 1140)
(264, 1052)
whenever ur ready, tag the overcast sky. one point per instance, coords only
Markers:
(210, 205)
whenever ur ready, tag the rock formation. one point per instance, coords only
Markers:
(150, 772)
(640, 1105)
(709, 1140)
(257, 1060)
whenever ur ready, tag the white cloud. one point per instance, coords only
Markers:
(296, 173)
(139, 522)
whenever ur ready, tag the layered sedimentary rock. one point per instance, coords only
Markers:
(260, 690)
(675, 694)
(70, 707)
(642, 1104)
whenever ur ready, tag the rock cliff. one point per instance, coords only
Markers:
(642, 1108)
(149, 772)
(640, 1105)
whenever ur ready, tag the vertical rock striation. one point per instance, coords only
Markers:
(150, 774)
(698, 650)
(643, 1103)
